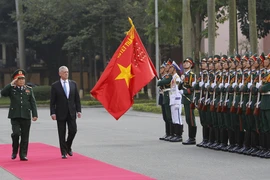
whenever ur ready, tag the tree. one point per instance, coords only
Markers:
(211, 27)
(187, 30)
(262, 18)
(232, 28)
(252, 26)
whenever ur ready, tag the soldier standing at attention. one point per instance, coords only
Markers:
(166, 83)
(187, 88)
(175, 103)
(22, 103)
(160, 102)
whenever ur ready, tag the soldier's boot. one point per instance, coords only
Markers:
(264, 145)
(171, 135)
(238, 144)
(253, 143)
(261, 145)
(223, 139)
(211, 138)
(167, 131)
(267, 154)
(231, 135)
(205, 137)
(217, 139)
(207, 134)
(192, 131)
(247, 142)
(178, 133)
(15, 146)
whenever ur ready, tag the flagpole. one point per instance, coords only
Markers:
(157, 49)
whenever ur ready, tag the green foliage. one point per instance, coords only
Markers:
(42, 93)
(147, 107)
(263, 11)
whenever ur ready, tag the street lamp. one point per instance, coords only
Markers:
(81, 77)
(97, 57)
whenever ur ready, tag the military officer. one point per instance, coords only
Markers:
(22, 104)
(175, 103)
(186, 86)
(160, 102)
(166, 83)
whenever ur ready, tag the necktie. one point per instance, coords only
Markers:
(65, 88)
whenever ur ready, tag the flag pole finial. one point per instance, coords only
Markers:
(130, 21)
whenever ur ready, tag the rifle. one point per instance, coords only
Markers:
(248, 110)
(200, 104)
(192, 105)
(204, 107)
(233, 109)
(256, 111)
(224, 106)
(239, 109)
(219, 108)
(212, 105)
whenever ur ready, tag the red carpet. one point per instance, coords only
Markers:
(45, 163)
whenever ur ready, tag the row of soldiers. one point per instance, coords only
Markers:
(231, 95)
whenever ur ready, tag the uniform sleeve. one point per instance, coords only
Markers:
(6, 90)
(33, 104)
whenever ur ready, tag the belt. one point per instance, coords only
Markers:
(168, 89)
(210, 93)
(197, 91)
(266, 93)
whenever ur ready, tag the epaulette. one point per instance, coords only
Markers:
(28, 86)
(191, 72)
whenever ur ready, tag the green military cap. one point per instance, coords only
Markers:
(19, 73)
(216, 58)
(245, 57)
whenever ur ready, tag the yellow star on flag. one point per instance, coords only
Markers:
(125, 74)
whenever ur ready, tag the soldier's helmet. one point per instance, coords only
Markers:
(190, 60)
(19, 73)
(224, 58)
(217, 58)
(245, 57)
(175, 66)
(262, 57)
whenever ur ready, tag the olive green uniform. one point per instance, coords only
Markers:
(22, 104)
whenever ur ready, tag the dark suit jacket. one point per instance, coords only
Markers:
(60, 105)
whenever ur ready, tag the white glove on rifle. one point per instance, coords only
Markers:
(258, 84)
(206, 85)
(234, 85)
(201, 84)
(249, 85)
(220, 85)
(213, 85)
(226, 85)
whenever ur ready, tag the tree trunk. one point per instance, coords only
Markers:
(211, 26)
(232, 27)
(252, 26)
(187, 29)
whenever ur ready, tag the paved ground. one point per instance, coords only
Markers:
(132, 143)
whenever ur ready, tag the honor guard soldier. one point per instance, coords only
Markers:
(165, 83)
(186, 86)
(160, 102)
(175, 103)
(200, 96)
(22, 104)
(264, 89)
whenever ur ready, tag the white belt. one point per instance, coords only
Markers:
(267, 93)
(166, 90)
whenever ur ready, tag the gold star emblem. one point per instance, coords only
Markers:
(125, 74)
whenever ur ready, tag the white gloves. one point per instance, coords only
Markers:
(201, 84)
(258, 84)
(193, 84)
(234, 85)
(240, 85)
(249, 85)
(206, 85)
(226, 85)
(213, 85)
(220, 85)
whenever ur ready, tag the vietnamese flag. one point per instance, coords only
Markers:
(129, 70)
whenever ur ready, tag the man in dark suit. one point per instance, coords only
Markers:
(22, 104)
(65, 106)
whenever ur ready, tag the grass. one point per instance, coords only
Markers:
(143, 105)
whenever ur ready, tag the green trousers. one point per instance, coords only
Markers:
(20, 128)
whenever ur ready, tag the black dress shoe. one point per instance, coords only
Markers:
(64, 156)
(23, 159)
(163, 138)
(13, 156)
(70, 153)
(190, 141)
(176, 139)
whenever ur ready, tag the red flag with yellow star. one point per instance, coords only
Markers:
(129, 70)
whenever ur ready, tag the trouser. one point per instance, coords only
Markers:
(176, 114)
(190, 120)
(20, 127)
(65, 145)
